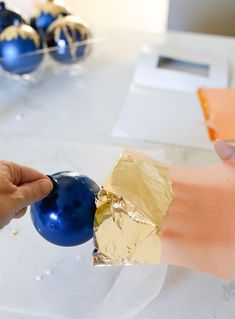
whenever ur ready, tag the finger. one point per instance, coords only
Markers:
(4, 222)
(21, 213)
(21, 174)
(29, 193)
(224, 150)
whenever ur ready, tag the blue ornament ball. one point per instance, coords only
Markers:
(66, 216)
(64, 37)
(46, 13)
(19, 47)
(8, 17)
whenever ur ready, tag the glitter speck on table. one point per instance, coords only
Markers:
(14, 232)
(48, 272)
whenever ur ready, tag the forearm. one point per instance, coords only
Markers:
(199, 229)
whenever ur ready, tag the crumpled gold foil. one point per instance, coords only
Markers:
(130, 209)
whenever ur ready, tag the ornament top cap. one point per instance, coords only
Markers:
(53, 7)
(21, 30)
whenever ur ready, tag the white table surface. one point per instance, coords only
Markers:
(46, 125)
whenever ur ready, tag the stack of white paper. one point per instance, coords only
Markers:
(162, 103)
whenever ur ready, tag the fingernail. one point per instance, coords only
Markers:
(46, 186)
(225, 150)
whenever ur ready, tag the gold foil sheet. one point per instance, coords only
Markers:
(130, 209)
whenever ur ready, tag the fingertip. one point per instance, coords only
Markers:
(46, 186)
(218, 141)
(29, 193)
(217, 145)
(224, 150)
(20, 213)
(28, 174)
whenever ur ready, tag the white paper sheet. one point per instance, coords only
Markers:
(163, 116)
(187, 68)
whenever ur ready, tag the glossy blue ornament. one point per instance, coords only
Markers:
(19, 47)
(66, 216)
(8, 17)
(45, 14)
(64, 37)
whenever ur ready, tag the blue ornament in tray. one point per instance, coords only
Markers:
(19, 45)
(68, 40)
(46, 13)
(66, 216)
(8, 17)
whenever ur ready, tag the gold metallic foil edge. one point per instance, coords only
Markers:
(54, 8)
(22, 30)
(130, 209)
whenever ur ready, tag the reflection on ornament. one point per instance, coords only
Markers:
(66, 216)
(67, 37)
(18, 49)
(8, 17)
(46, 14)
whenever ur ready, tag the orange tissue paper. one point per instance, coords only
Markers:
(218, 106)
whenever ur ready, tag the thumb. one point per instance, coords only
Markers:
(224, 150)
(29, 193)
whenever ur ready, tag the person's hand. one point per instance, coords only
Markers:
(20, 186)
(224, 150)
(198, 231)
